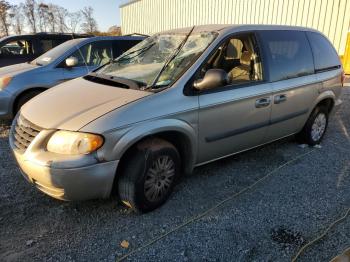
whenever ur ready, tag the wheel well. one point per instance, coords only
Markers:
(328, 103)
(178, 139)
(14, 106)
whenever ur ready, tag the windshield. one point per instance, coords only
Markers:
(56, 52)
(144, 62)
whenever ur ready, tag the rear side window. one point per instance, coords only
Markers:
(288, 54)
(325, 57)
(17, 48)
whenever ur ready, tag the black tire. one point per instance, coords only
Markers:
(138, 169)
(305, 136)
(24, 98)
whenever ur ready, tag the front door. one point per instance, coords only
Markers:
(234, 117)
(90, 57)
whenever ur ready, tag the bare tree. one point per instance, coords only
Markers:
(42, 12)
(30, 12)
(51, 18)
(61, 15)
(17, 19)
(4, 17)
(74, 21)
(89, 25)
(114, 30)
(37, 15)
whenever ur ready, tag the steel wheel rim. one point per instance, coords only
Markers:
(159, 178)
(319, 127)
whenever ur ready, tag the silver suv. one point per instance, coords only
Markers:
(74, 58)
(177, 100)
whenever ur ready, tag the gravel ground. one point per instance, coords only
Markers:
(270, 221)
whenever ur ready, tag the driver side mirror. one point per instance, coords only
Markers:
(71, 62)
(213, 78)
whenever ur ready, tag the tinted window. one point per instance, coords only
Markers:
(120, 46)
(46, 45)
(325, 56)
(288, 54)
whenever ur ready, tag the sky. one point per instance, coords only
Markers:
(106, 11)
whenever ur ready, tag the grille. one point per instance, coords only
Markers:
(24, 133)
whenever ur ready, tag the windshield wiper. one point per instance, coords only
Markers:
(171, 58)
(141, 50)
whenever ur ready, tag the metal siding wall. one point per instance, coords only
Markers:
(332, 17)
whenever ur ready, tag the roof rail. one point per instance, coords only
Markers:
(56, 33)
(132, 34)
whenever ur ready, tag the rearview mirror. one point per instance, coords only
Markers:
(71, 61)
(212, 78)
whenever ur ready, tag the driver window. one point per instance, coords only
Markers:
(239, 58)
(94, 54)
(16, 48)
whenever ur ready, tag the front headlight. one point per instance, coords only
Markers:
(4, 82)
(74, 143)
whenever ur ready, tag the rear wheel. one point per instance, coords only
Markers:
(149, 175)
(24, 98)
(315, 127)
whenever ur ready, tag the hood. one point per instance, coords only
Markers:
(74, 104)
(13, 70)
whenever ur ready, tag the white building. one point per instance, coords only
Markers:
(332, 17)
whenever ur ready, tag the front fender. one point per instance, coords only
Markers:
(136, 133)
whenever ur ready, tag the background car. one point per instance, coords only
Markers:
(23, 48)
(74, 58)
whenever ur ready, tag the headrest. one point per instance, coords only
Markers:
(233, 49)
(246, 57)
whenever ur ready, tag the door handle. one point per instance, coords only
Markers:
(280, 99)
(262, 102)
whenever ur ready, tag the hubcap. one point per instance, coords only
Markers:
(319, 127)
(159, 178)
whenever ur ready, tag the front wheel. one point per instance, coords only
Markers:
(149, 175)
(315, 127)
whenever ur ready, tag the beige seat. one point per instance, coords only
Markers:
(105, 57)
(242, 72)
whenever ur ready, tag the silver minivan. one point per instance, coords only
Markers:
(74, 58)
(177, 100)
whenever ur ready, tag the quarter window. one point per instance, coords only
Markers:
(288, 54)
(325, 56)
